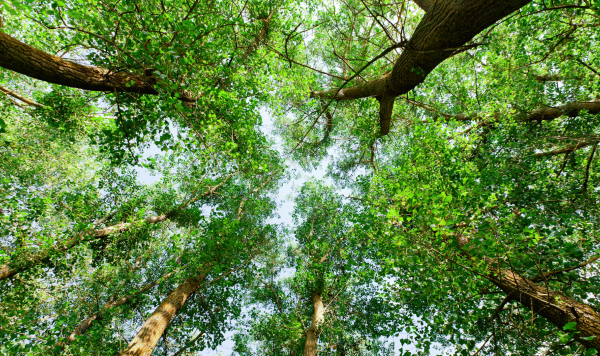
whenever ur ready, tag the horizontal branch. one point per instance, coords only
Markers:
(564, 150)
(22, 58)
(547, 113)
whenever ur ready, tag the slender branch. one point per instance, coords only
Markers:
(23, 99)
(583, 264)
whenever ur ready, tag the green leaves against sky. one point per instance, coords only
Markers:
(471, 228)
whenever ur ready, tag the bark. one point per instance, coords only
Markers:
(17, 96)
(547, 113)
(570, 110)
(11, 269)
(146, 339)
(386, 108)
(555, 307)
(22, 58)
(111, 303)
(312, 334)
(425, 5)
(444, 29)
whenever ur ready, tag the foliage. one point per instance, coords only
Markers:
(491, 165)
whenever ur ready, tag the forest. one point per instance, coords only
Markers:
(299, 178)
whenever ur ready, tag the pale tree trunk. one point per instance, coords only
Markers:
(312, 334)
(446, 27)
(146, 339)
(22, 58)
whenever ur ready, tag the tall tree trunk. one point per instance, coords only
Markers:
(312, 334)
(146, 339)
(21, 58)
(446, 27)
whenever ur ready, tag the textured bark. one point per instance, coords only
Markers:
(146, 339)
(22, 58)
(111, 303)
(425, 5)
(542, 114)
(386, 108)
(570, 109)
(312, 334)
(446, 28)
(555, 307)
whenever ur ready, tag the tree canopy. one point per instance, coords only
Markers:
(460, 208)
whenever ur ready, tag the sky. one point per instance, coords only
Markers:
(286, 207)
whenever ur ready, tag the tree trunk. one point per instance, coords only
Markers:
(21, 58)
(312, 334)
(146, 339)
(555, 307)
(446, 27)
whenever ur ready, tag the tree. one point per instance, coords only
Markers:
(471, 220)
(331, 300)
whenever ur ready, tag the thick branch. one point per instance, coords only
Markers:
(21, 58)
(542, 114)
(553, 306)
(570, 109)
(444, 29)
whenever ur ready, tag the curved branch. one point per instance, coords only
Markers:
(22, 58)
